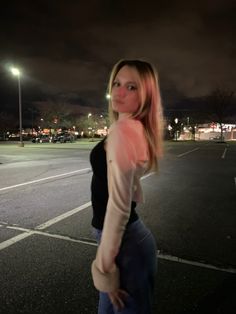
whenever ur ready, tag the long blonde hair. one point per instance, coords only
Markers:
(150, 112)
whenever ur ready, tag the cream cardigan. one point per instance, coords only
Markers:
(127, 155)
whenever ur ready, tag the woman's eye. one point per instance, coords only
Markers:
(115, 84)
(131, 87)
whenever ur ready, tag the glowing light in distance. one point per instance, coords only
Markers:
(15, 71)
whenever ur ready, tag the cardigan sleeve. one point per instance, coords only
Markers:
(121, 165)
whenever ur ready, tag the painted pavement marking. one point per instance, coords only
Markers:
(29, 232)
(188, 152)
(224, 153)
(50, 222)
(85, 170)
(171, 258)
(63, 216)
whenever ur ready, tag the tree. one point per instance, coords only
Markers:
(54, 115)
(7, 122)
(90, 123)
(83, 124)
(30, 115)
(218, 103)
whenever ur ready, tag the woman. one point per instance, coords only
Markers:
(125, 264)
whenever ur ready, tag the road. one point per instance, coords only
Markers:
(46, 241)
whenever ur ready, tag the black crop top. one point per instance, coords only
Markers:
(99, 187)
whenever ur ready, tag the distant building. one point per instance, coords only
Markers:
(211, 131)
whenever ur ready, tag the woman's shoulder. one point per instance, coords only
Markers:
(128, 127)
(128, 135)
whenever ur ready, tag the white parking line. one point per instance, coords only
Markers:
(53, 235)
(63, 216)
(50, 222)
(193, 263)
(235, 181)
(15, 239)
(188, 152)
(85, 170)
(224, 153)
(167, 257)
(29, 232)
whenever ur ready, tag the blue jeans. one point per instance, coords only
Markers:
(137, 261)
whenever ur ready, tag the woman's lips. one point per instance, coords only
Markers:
(118, 101)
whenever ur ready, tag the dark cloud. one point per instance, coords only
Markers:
(66, 49)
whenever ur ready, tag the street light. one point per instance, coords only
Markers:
(176, 131)
(16, 72)
(89, 128)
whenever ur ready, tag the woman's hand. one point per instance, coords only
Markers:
(117, 298)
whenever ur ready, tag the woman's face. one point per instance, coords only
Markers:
(125, 93)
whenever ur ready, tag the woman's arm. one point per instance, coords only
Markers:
(121, 166)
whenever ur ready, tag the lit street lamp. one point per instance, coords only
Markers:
(17, 73)
(89, 127)
(176, 131)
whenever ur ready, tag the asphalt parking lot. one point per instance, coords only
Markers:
(46, 241)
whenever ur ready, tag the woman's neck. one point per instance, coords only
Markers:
(124, 115)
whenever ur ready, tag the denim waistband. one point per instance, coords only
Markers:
(136, 230)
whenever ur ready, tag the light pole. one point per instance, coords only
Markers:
(17, 73)
(176, 132)
(89, 128)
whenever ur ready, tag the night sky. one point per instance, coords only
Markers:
(66, 48)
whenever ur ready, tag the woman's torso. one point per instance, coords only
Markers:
(99, 187)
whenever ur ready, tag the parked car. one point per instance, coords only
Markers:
(216, 138)
(63, 138)
(42, 138)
